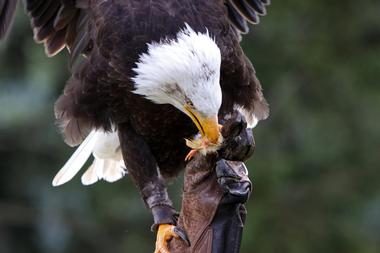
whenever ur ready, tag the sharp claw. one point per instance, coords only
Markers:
(161, 251)
(165, 233)
(190, 155)
(182, 234)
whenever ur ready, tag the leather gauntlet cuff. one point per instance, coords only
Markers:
(163, 214)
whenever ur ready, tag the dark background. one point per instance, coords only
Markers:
(316, 168)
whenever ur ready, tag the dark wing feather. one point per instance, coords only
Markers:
(45, 14)
(237, 20)
(59, 24)
(56, 43)
(7, 11)
(64, 16)
(242, 11)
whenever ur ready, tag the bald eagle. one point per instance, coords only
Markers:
(149, 80)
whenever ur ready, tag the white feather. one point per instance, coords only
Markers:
(114, 171)
(108, 162)
(108, 170)
(76, 161)
(185, 68)
(250, 116)
(108, 146)
(90, 177)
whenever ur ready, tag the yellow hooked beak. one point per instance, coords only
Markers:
(207, 126)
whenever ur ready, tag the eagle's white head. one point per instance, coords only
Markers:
(185, 73)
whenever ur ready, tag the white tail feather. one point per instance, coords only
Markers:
(108, 170)
(108, 163)
(114, 172)
(77, 160)
(89, 177)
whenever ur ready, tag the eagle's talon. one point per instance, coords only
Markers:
(165, 233)
(190, 155)
(182, 235)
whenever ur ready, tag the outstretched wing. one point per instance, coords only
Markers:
(242, 12)
(59, 24)
(56, 23)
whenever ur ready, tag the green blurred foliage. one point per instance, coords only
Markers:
(316, 168)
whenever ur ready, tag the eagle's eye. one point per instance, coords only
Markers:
(189, 102)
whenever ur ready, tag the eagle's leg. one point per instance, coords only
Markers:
(142, 168)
